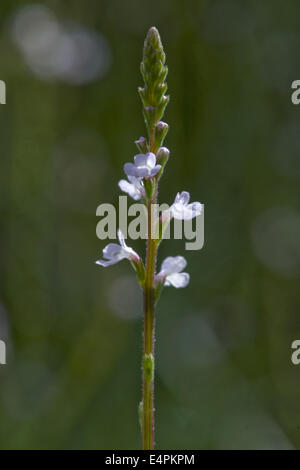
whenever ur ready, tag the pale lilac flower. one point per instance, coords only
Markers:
(144, 166)
(134, 187)
(181, 209)
(170, 273)
(113, 253)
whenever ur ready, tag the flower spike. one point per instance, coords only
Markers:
(142, 183)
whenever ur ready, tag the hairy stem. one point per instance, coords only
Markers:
(149, 329)
(148, 361)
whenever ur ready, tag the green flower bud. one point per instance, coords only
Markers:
(162, 156)
(158, 289)
(161, 130)
(139, 268)
(149, 114)
(154, 72)
(149, 185)
(162, 106)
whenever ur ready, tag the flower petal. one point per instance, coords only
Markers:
(178, 280)
(178, 211)
(121, 238)
(129, 169)
(140, 159)
(195, 208)
(173, 264)
(126, 251)
(130, 189)
(182, 198)
(182, 212)
(111, 250)
(114, 252)
(134, 180)
(126, 187)
(101, 262)
(151, 160)
(155, 170)
(141, 172)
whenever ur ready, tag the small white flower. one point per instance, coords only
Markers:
(134, 188)
(181, 209)
(113, 253)
(171, 274)
(144, 166)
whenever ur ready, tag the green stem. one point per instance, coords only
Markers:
(149, 326)
(149, 332)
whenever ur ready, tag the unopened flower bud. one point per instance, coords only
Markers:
(149, 184)
(142, 145)
(161, 130)
(139, 268)
(149, 114)
(154, 72)
(162, 156)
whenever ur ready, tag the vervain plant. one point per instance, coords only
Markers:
(143, 177)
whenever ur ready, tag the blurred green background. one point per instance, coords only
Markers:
(73, 330)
